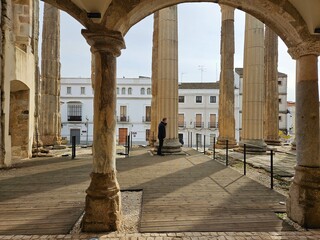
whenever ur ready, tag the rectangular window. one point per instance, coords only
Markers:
(213, 121)
(181, 120)
(280, 118)
(198, 123)
(148, 114)
(147, 134)
(83, 90)
(213, 99)
(68, 90)
(279, 83)
(123, 114)
(181, 99)
(280, 100)
(198, 99)
(74, 112)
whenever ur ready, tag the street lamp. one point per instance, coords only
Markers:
(87, 123)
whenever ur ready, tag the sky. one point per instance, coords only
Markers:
(199, 27)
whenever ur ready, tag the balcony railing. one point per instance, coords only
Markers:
(182, 124)
(198, 124)
(212, 125)
(122, 118)
(146, 119)
(74, 118)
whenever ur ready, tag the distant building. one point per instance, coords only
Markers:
(198, 109)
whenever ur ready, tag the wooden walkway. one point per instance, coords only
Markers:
(46, 196)
(195, 193)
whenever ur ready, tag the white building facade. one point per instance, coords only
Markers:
(198, 110)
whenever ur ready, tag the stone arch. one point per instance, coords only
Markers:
(19, 119)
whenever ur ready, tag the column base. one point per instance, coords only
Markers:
(222, 143)
(253, 146)
(169, 146)
(303, 204)
(103, 204)
(272, 142)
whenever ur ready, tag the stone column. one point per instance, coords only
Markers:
(303, 204)
(50, 119)
(154, 78)
(168, 76)
(103, 205)
(253, 86)
(271, 109)
(35, 43)
(2, 152)
(226, 95)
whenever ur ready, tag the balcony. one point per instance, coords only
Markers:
(74, 118)
(146, 119)
(212, 125)
(122, 118)
(198, 124)
(182, 124)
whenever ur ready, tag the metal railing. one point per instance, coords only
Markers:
(212, 125)
(182, 124)
(198, 124)
(122, 118)
(146, 119)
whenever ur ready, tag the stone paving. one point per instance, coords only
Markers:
(312, 234)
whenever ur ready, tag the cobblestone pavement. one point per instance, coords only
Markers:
(304, 235)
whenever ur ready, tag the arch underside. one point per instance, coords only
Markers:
(279, 15)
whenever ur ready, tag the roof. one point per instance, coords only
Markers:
(239, 71)
(197, 85)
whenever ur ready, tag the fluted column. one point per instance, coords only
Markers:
(50, 119)
(253, 86)
(226, 94)
(271, 109)
(303, 204)
(167, 100)
(154, 108)
(103, 205)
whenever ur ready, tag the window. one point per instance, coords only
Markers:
(148, 114)
(123, 114)
(279, 83)
(280, 118)
(83, 90)
(181, 120)
(198, 123)
(280, 100)
(123, 90)
(118, 91)
(75, 111)
(213, 121)
(181, 99)
(68, 90)
(198, 99)
(213, 99)
(142, 91)
(129, 91)
(147, 134)
(149, 91)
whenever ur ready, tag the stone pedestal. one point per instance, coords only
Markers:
(303, 204)
(102, 211)
(253, 86)
(167, 95)
(271, 108)
(103, 205)
(226, 96)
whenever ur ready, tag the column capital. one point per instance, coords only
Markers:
(104, 41)
(227, 12)
(305, 48)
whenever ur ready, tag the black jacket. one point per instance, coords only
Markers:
(162, 130)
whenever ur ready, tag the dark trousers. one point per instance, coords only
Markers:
(160, 146)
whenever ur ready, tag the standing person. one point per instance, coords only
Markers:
(161, 135)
